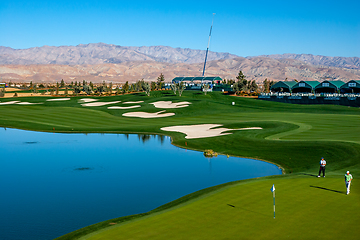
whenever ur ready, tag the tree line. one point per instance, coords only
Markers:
(241, 86)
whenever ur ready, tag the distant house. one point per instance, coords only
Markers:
(352, 86)
(305, 87)
(283, 86)
(194, 83)
(329, 87)
(205, 80)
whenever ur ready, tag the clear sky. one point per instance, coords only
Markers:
(244, 28)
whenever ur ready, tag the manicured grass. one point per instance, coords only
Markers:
(306, 208)
(293, 136)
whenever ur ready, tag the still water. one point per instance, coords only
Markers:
(52, 184)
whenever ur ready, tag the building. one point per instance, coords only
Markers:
(205, 80)
(329, 87)
(195, 83)
(305, 87)
(352, 86)
(283, 86)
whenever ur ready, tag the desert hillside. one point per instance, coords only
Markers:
(105, 62)
(99, 53)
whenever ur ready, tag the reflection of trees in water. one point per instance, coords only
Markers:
(161, 138)
(127, 136)
(146, 137)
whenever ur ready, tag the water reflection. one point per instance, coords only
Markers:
(146, 137)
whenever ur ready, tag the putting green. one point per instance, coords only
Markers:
(292, 136)
(307, 207)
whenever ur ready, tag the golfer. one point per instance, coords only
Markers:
(322, 167)
(348, 178)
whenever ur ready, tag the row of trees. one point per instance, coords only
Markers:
(267, 85)
(247, 86)
(241, 86)
(244, 86)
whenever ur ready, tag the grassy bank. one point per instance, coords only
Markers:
(244, 211)
(292, 136)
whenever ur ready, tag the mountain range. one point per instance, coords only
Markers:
(98, 53)
(107, 62)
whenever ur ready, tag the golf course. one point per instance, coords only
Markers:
(294, 137)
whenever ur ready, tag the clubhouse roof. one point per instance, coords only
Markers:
(352, 86)
(194, 79)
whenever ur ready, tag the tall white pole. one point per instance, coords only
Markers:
(207, 49)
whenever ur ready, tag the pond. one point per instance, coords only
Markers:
(53, 183)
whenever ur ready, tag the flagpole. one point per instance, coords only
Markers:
(274, 202)
(273, 191)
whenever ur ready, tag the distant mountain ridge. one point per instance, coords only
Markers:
(342, 62)
(259, 69)
(106, 62)
(98, 53)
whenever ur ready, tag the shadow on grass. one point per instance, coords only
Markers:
(240, 208)
(328, 189)
(308, 174)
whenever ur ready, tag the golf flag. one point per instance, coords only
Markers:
(273, 191)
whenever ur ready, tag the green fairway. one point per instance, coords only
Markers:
(293, 136)
(306, 208)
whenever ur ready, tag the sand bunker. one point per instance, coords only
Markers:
(133, 102)
(170, 104)
(87, 100)
(98, 104)
(27, 103)
(10, 89)
(7, 103)
(59, 99)
(17, 102)
(129, 107)
(202, 130)
(148, 115)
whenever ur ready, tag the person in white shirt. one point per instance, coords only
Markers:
(322, 167)
(348, 178)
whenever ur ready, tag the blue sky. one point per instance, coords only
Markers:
(244, 28)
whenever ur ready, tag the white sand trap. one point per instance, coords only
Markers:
(98, 104)
(148, 115)
(129, 107)
(202, 130)
(59, 99)
(87, 100)
(170, 104)
(27, 103)
(250, 128)
(133, 102)
(8, 103)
